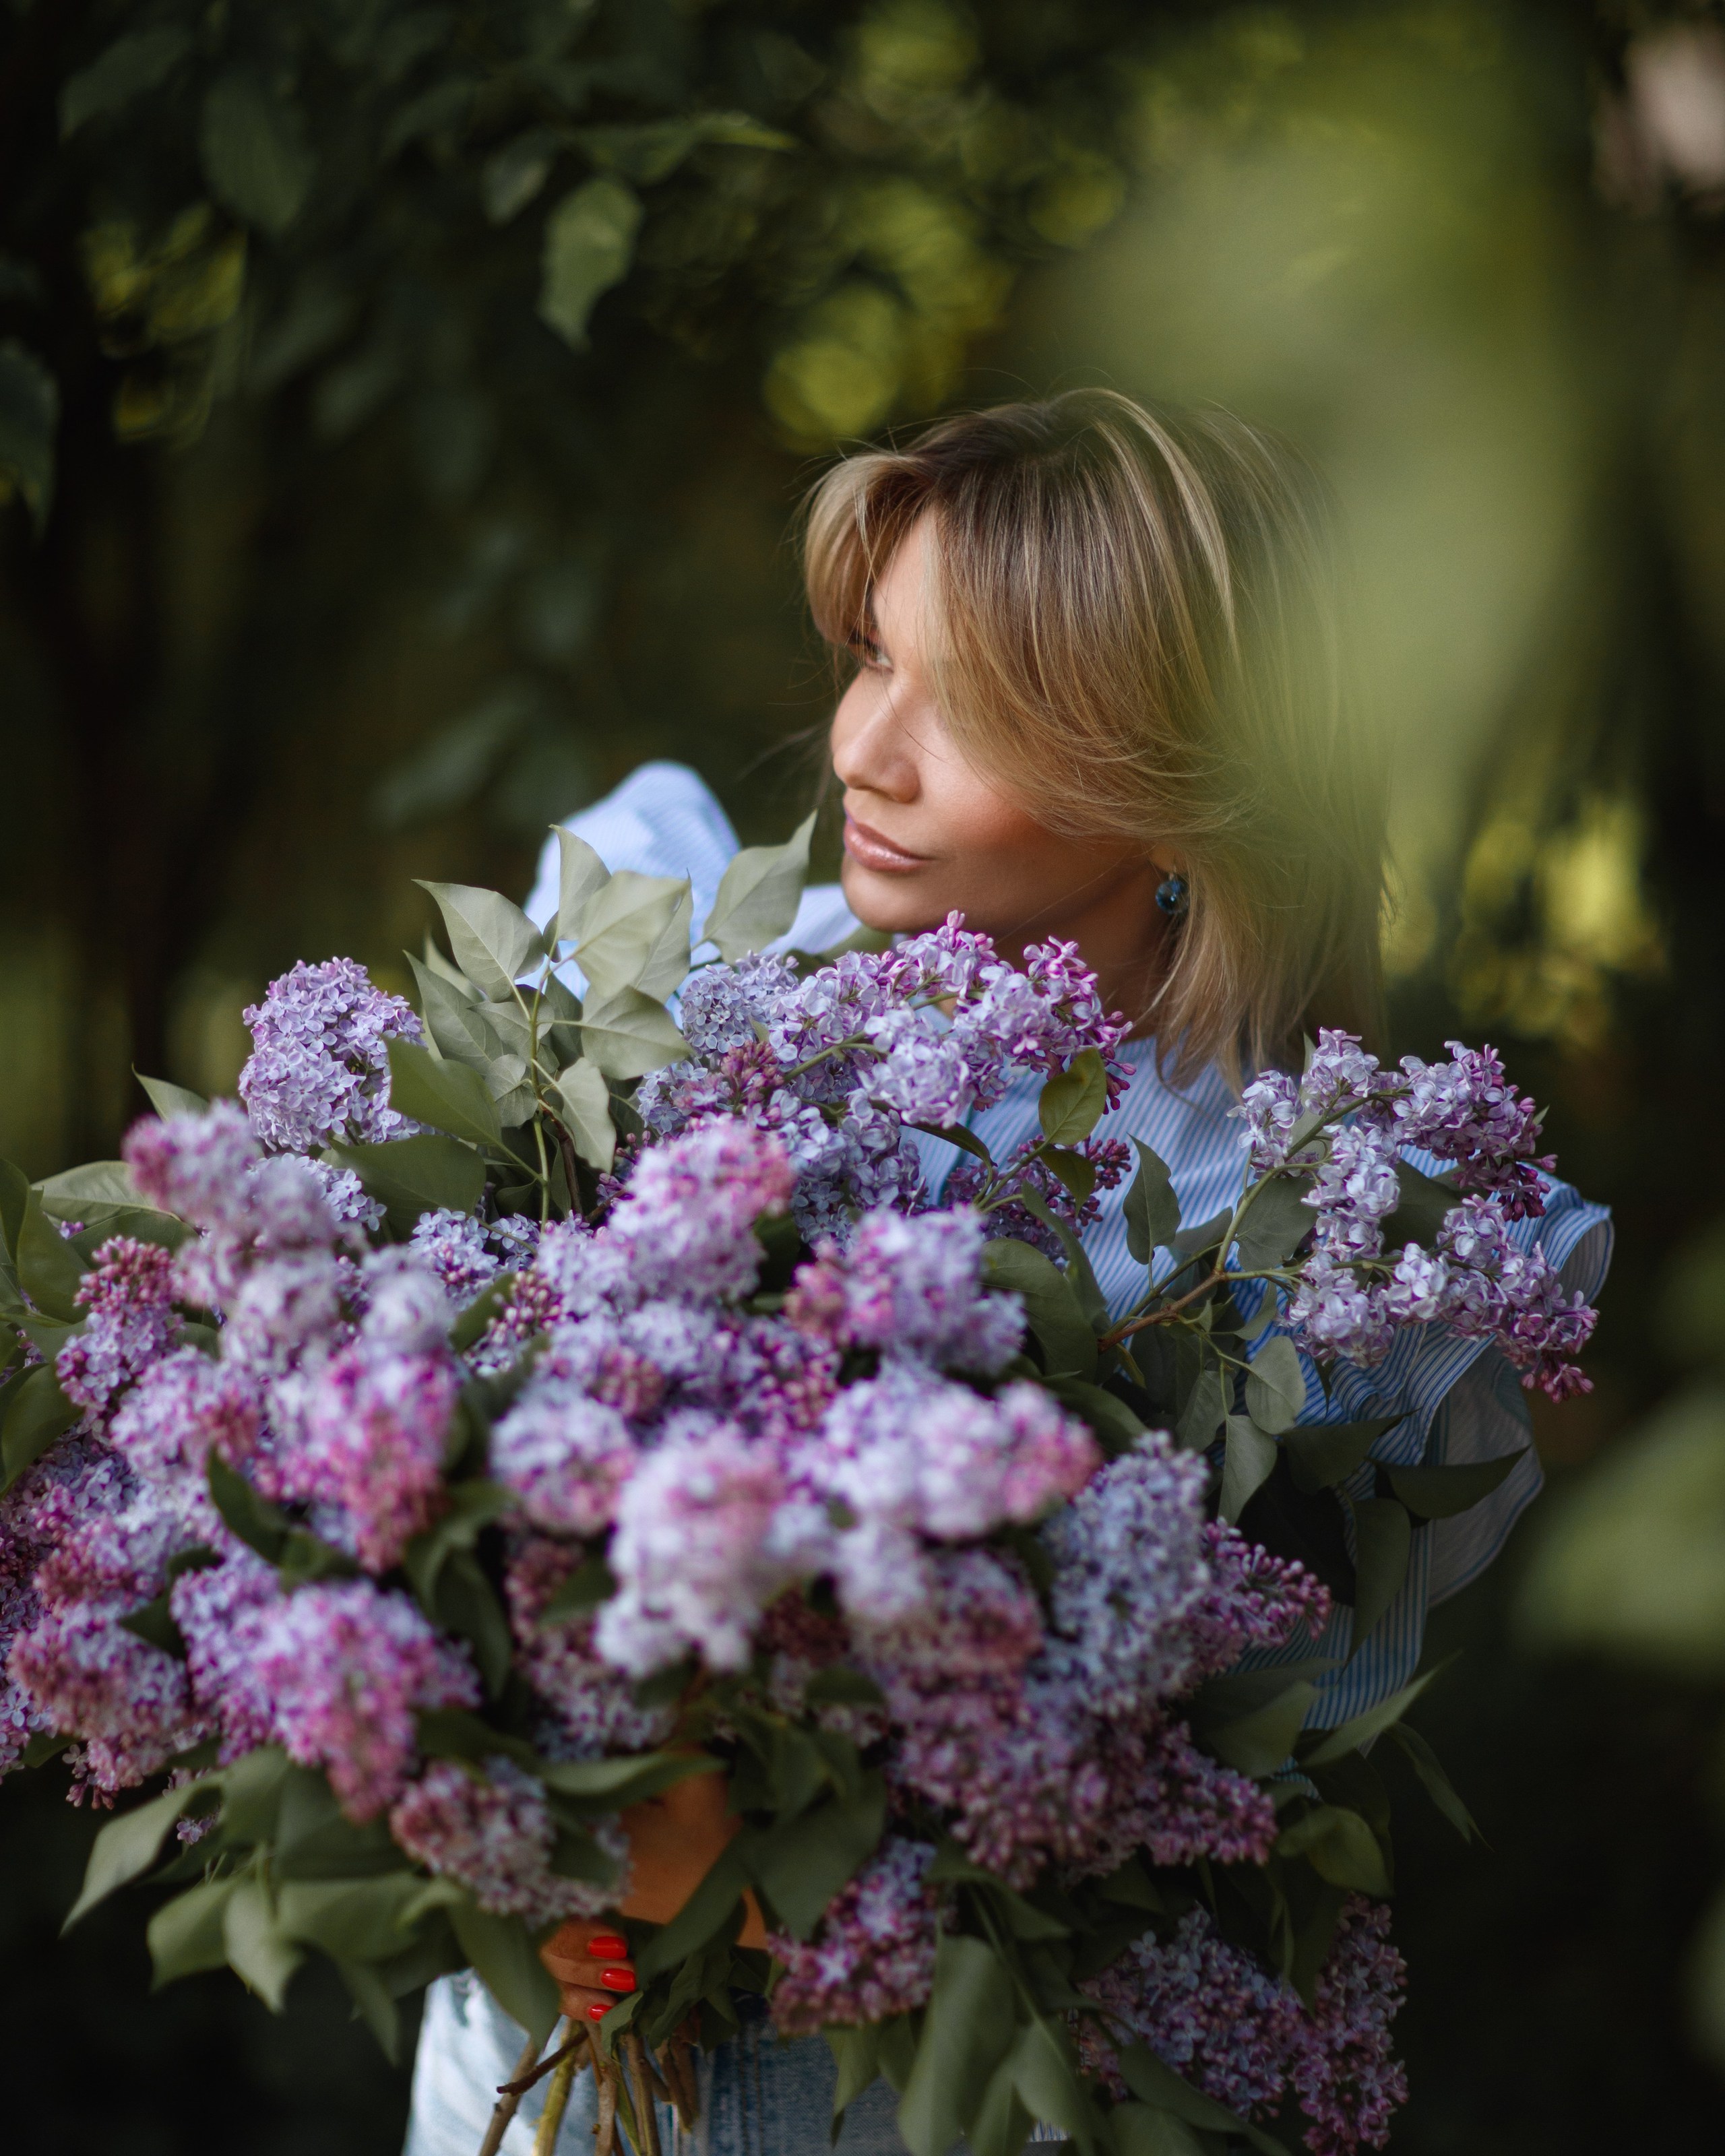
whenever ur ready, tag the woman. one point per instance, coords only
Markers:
(1096, 695)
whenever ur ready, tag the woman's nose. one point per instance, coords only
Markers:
(871, 751)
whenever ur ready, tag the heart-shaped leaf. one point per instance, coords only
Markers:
(450, 1096)
(1248, 1463)
(494, 942)
(1071, 1104)
(582, 873)
(758, 894)
(629, 1033)
(1275, 1385)
(1153, 1212)
(584, 1105)
(634, 932)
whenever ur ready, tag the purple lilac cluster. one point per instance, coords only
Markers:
(1346, 1121)
(319, 1067)
(874, 1954)
(841, 1063)
(1211, 2011)
(490, 1829)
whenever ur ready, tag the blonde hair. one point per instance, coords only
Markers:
(1136, 636)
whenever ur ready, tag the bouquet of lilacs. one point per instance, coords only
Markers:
(516, 1408)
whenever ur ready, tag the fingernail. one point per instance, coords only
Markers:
(595, 2012)
(608, 1947)
(618, 1979)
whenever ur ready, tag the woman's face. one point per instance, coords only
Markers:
(925, 833)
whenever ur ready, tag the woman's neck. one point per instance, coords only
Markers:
(1121, 934)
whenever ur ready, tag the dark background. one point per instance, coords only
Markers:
(330, 563)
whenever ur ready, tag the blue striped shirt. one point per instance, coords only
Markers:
(1460, 1400)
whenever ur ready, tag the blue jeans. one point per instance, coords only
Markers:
(759, 2097)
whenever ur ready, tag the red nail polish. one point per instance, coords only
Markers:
(596, 2012)
(608, 1947)
(618, 1979)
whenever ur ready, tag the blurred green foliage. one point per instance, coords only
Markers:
(403, 408)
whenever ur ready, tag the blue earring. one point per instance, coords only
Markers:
(1173, 894)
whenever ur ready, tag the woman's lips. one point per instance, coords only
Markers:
(869, 850)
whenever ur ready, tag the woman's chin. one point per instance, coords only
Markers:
(897, 904)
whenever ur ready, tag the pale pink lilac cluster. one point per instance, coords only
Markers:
(490, 1828)
(1211, 2011)
(873, 1954)
(319, 1067)
(1346, 1123)
(841, 1063)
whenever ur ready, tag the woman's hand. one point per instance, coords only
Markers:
(673, 1842)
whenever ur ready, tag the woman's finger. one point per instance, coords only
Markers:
(590, 1957)
(583, 2004)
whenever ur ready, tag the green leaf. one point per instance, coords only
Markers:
(1070, 1105)
(629, 1033)
(589, 243)
(1248, 1463)
(472, 1507)
(358, 1920)
(374, 2004)
(1438, 1493)
(1203, 1413)
(494, 942)
(651, 151)
(29, 415)
(1155, 2082)
(14, 1199)
(836, 1686)
(1107, 1415)
(452, 1019)
(154, 1625)
(1276, 1222)
(1077, 1171)
(1051, 1307)
(257, 1951)
(254, 152)
(467, 1604)
(1046, 2079)
(714, 1907)
(502, 1951)
(1153, 1212)
(105, 1181)
(127, 1846)
(170, 1100)
(1339, 1846)
(611, 1784)
(1350, 1736)
(581, 873)
(187, 1935)
(511, 176)
(584, 1106)
(130, 65)
(49, 1268)
(251, 1795)
(251, 1516)
(1258, 1744)
(592, 1582)
(417, 1175)
(856, 2053)
(1275, 1385)
(450, 1096)
(1436, 1783)
(1141, 2130)
(1321, 1454)
(1383, 1536)
(801, 1867)
(969, 2027)
(758, 894)
(635, 934)
(37, 1412)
